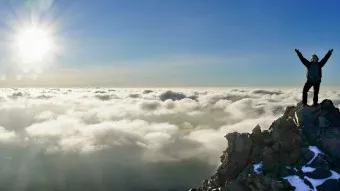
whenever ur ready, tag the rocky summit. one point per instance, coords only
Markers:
(300, 151)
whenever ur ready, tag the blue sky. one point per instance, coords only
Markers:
(187, 42)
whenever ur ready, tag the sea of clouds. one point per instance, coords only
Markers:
(127, 139)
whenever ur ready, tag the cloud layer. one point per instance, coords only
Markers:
(129, 139)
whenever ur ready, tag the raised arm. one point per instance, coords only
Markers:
(303, 60)
(325, 59)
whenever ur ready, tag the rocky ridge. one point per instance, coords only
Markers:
(300, 151)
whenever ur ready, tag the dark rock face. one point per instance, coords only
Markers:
(234, 186)
(319, 162)
(330, 141)
(319, 173)
(312, 132)
(329, 185)
(307, 156)
(303, 144)
(239, 149)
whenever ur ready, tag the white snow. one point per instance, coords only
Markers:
(335, 175)
(307, 169)
(298, 183)
(316, 151)
(318, 182)
(297, 122)
(315, 182)
(257, 167)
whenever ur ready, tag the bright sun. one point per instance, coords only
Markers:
(34, 44)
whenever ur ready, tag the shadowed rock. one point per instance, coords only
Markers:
(303, 143)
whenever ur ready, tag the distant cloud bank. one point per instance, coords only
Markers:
(128, 139)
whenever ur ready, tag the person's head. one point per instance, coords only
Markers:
(314, 58)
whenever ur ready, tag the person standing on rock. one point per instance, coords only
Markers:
(314, 74)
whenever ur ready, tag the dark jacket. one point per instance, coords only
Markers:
(314, 70)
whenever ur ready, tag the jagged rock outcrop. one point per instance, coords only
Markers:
(300, 151)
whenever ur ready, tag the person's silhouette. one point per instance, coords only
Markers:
(314, 74)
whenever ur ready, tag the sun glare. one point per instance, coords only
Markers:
(34, 44)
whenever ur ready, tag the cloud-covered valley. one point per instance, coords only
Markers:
(126, 139)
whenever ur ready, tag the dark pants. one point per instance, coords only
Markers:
(306, 88)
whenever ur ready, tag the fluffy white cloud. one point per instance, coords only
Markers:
(130, 139)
